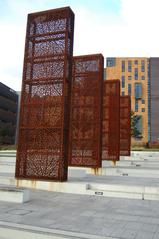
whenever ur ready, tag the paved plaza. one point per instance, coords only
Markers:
(55, 215)
(100, 216)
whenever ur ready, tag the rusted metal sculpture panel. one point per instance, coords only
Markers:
(44, 118)
(111, 120)
(125, 125)
(86, 111)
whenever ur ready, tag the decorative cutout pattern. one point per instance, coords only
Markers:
(44, 117)
(111, 120)
(86, 112)
(125, 125)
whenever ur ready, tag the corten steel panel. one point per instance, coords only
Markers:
(125, 125)
(86, 111)
(111, 120)
(44, 118)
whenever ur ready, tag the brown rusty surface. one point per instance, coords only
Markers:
(86, 111)
(44, 116)
(111, 120)
(125, 125)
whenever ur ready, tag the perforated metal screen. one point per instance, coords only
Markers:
(111, 120)
(125, 125)
(86, 112)
(44, 117)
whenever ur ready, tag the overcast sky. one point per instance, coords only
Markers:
(111, 27)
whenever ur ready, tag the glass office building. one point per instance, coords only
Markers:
(8, 114)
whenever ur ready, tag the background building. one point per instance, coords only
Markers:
(154, 99)
(8, 114)
(140, 79)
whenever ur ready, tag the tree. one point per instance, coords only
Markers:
(134, 121)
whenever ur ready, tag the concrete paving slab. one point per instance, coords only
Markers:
(18, 231)
(80, 216)
(83, 214)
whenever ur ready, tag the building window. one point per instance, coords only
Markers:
(143, 66)
(142, 77)
(143, 101)
(129, 89)
(136, 73)
(136, 106)
(111, 61)
(136, 62)
(129, 77)
(129, 66)
(138, 91)
(139, 124)
(123, 81)
(122, 93)
(143, 110)
(123, 66)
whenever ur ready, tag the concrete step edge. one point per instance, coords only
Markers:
(117, 187)
(125, 194)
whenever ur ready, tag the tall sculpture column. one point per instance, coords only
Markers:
(44, 115)
(125, 125)
(86, 111)
(111, 120)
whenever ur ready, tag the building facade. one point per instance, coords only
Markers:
(134, 76)
(8, 114)
(154, 99)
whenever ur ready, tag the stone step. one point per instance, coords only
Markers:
(145, 152)
(132, 163)
(108, 186)
(117, 194)
(126, 171)
(8, 153)
(124, 187)
(138, 170)
(8, 160)
(133, 153)
(12, 156)
(138, 164)
(14, 194)
(7, 167)
(141, 158)
(145, 159)
(68, 187)
(7, 179)
(148, 154)
(149, 163)
(123, 191)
